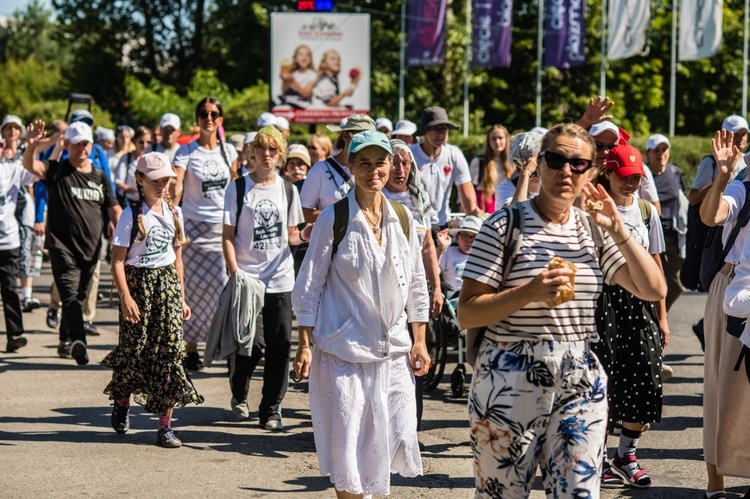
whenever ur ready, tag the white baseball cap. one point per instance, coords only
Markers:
(236, 139)
(405, 127)
(383, 122)
(12, 118)
(266, 119)
(656, 140)
(300, 152)
(103, 133)
(282, 123)
(604, 126)
(735, 123)
(77, 132)
(155, 165)
(470, 224)
(170, 119)
(249, 138)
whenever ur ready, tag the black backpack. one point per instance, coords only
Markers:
(341, 221)
(695, 242)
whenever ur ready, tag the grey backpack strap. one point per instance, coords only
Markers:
(513, 238)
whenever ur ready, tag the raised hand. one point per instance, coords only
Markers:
(608, 217)
(596, 111)
(35, 132)
(726, 153)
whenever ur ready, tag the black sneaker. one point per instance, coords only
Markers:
(79, 353)
(193, 361)
(120, 418)
(53, 318)
(15, 343)
(90, 328)
(30, 304)
(166, 438)
(698, 331)
(63, 349)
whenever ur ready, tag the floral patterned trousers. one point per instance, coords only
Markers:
(537, 403)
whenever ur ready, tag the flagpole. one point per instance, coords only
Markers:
(402, 62)
(539, 55)
(467, 57)
(673, 71)
(744, 64)
(603, 69)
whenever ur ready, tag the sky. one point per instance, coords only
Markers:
(7, 7)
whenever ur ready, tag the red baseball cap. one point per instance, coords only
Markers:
(625, 160)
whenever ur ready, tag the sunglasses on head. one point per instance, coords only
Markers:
(204, 113)
(601, 146)
(558, 161)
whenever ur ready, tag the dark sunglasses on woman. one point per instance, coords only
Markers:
(557, 161)
(204, 114)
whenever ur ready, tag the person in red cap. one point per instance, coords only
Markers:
(632, 332)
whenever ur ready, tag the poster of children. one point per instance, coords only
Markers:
(320, 66)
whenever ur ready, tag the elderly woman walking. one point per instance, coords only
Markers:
(361, 282)
(538, 395)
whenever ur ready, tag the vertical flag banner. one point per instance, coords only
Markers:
(700, 29)
(492, 32)
(425, 39)
(628, 23)
(564, 33)
(320, 66)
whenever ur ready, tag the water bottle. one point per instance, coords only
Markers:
(37, 245)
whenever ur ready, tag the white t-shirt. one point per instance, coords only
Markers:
(452, 263)
(261, 244)
(706, 172)
(13, 179)
(125, 174)
(206, 178)
(323, 186)
(505, 192)
(405, 199)
(156, 250)
(734, 195)
(439, 176)
(652, 238)
(474, 172)
(304, 78)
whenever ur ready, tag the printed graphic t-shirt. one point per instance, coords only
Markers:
(156, 250)
(75, 201)
(261, 244)
(439, 176)
(206, 178)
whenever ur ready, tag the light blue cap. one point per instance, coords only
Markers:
(369, 138)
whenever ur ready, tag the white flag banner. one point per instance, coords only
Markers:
(628, 22)
(700, 29)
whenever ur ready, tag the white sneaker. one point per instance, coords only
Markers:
(666, 372)
(240, 409)
(274, 425)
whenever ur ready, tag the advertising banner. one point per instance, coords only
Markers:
(492, 33)
(320, 66)
(700, 29)
(425, 33)
(564, 33)
(628, 23)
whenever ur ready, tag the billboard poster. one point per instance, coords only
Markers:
(564, 33)
(425, 36)
(493, 31)
(320, 66)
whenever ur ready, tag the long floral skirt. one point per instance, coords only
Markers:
(147, 362)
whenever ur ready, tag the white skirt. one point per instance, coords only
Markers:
(365, 421)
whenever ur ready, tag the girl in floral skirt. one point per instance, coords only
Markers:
(147, 270)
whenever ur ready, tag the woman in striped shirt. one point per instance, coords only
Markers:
(538, 396)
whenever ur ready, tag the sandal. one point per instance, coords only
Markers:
(638, 479)
(718, 495)
(610, 480)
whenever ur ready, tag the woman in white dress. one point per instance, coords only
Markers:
(353, 299)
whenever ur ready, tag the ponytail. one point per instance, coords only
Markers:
(179, 234)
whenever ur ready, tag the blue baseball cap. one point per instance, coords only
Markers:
(82, 115)
(369, 138)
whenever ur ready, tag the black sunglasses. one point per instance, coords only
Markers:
(558, 161)
(203, 113)
(600, 146)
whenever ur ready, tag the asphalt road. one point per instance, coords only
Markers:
(55, 438)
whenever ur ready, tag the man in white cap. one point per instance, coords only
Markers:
(706, 172)
(77, 194)
(105, 137)
(171, 128)
(671, 187)
(266, 119)
(405, 130)
(283, 125)
(607, 135)
(384, 125)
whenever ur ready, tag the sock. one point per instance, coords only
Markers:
(123, 402)
(165, 421)
(628, 442)
(26, 293)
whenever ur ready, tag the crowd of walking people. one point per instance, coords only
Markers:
(564, 258)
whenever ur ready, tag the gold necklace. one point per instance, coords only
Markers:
(375, 226)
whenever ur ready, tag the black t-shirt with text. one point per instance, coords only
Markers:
(74, 208)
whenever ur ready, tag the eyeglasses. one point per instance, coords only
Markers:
(558, 161)
(438, 128)
(204, 114)
(467, 236)
(600, 146)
